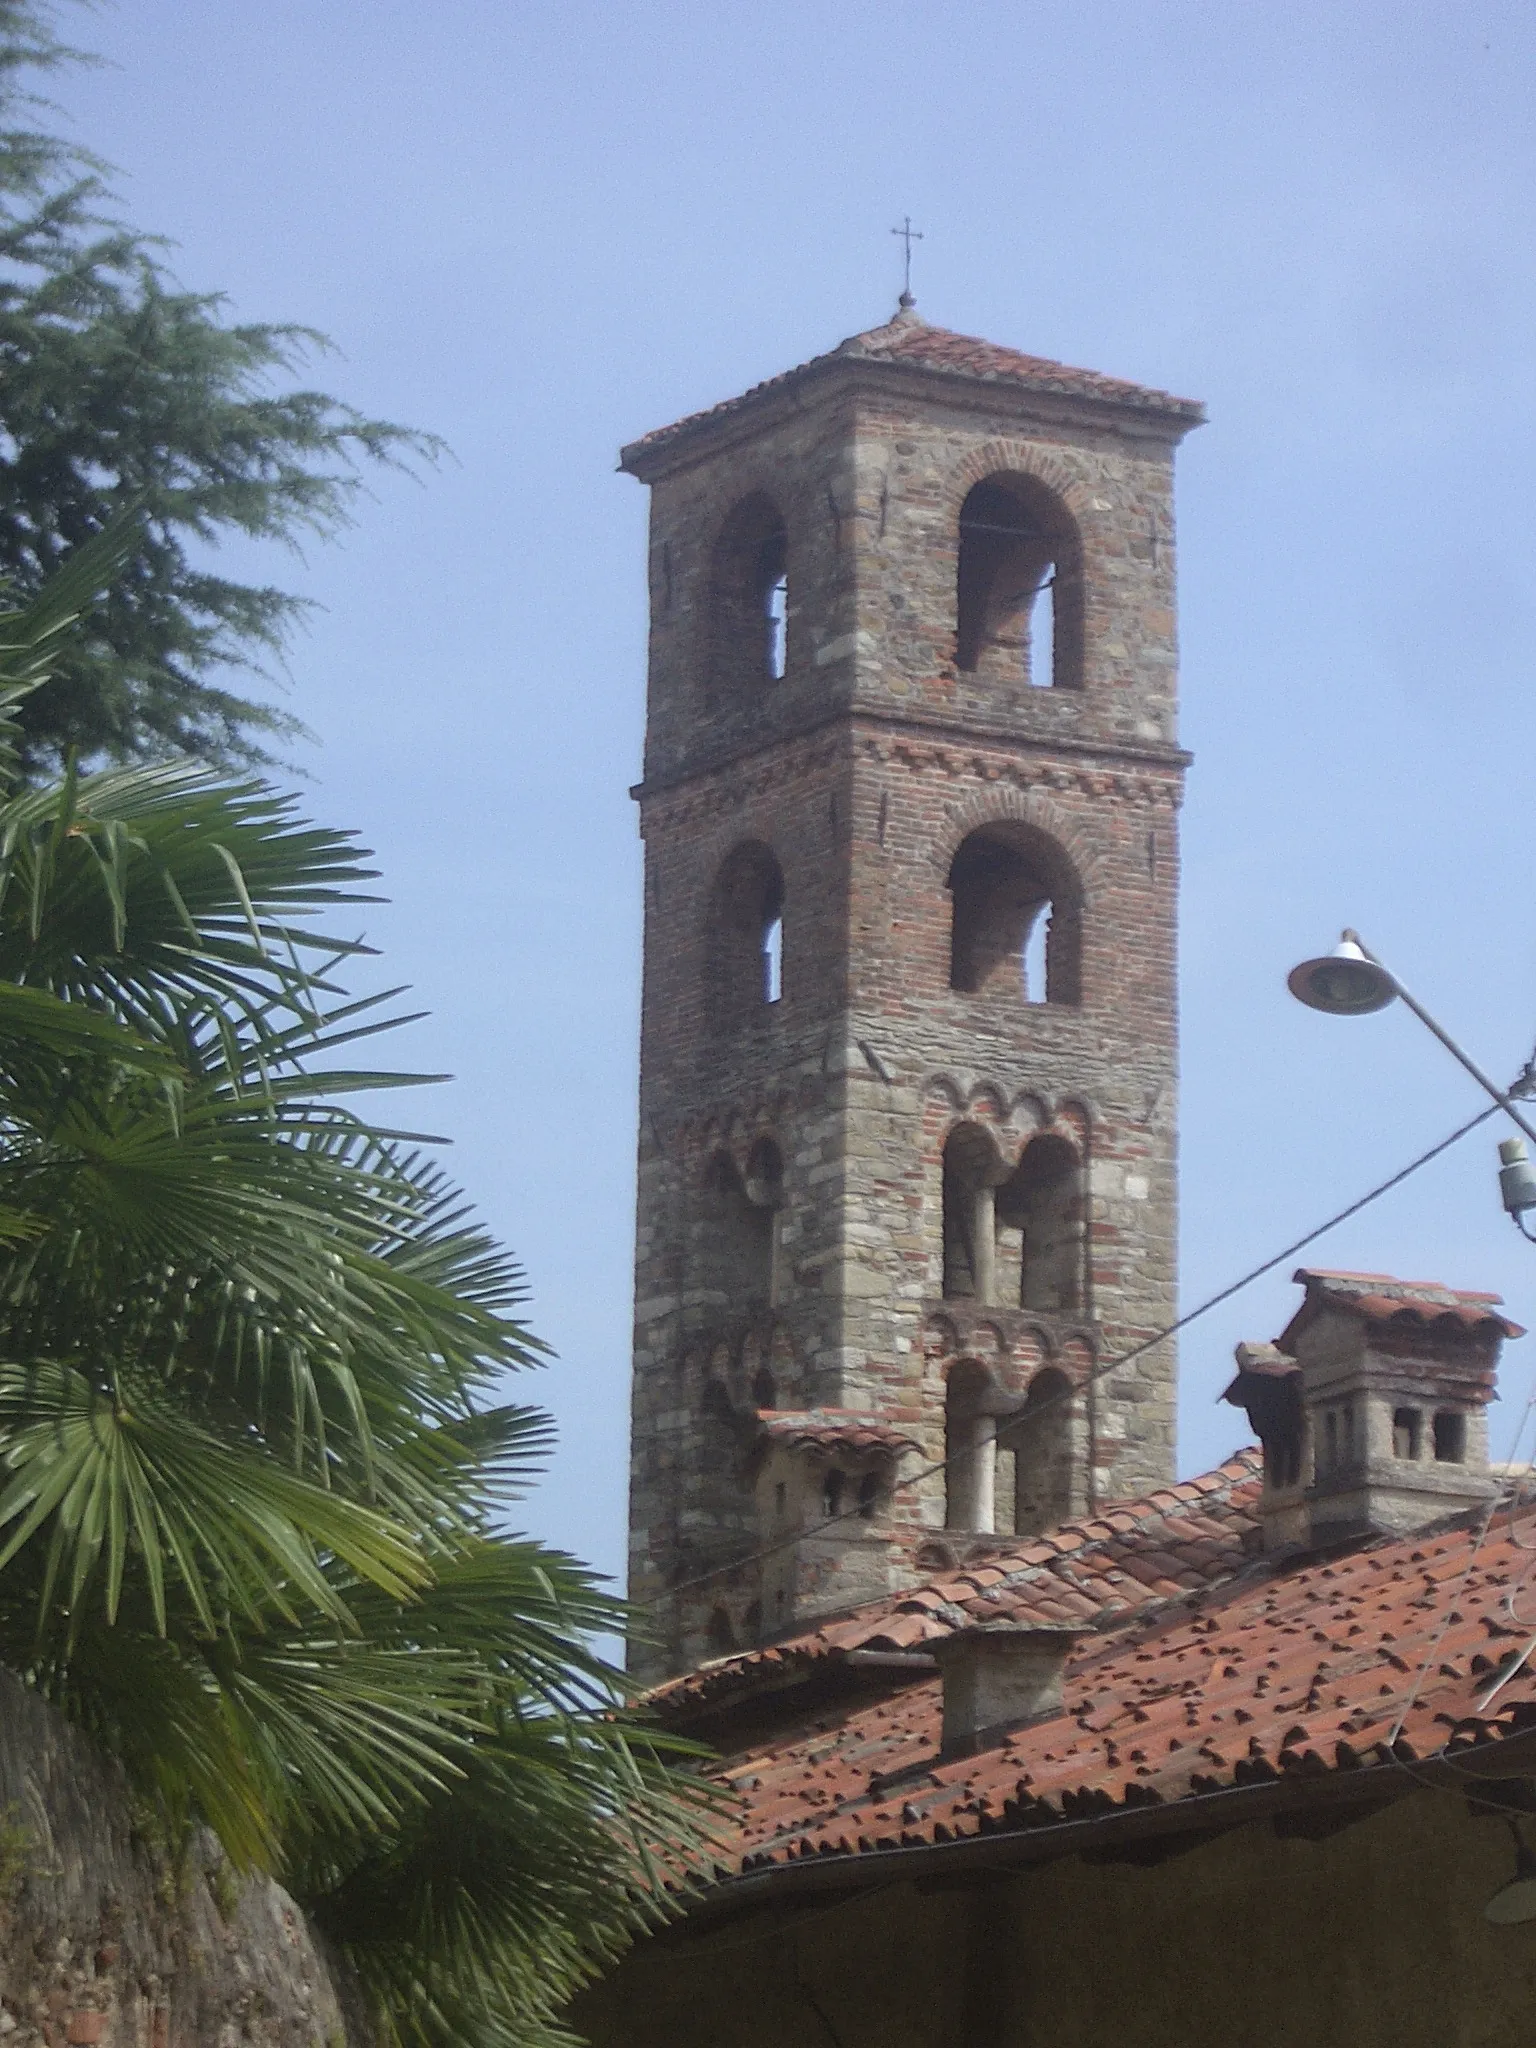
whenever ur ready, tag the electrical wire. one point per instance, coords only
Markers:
(1040, 1409)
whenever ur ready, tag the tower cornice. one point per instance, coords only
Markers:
(1141, 754)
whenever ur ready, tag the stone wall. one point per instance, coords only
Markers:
(862, 772)
(103, 1941)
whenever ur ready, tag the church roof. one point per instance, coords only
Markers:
(907, 341)
(1340, 1681)
(1098, 1571)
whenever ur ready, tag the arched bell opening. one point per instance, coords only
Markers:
(971, 1168)
(735, 1241)
(1040, 1445)
(1016, 923)
(970, 1449)
(749, 601)
(1019, 586)
(1041, 1240)
(746, 934)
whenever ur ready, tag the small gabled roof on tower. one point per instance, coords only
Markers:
(832, 1429)
(1380, 1299)
(907, 342)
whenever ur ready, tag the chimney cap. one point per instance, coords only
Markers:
(1003, 1635)
(998, 1674)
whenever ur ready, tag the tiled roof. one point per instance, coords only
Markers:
(845, 1429)
(1281, 1675)
(1104, 1568)
(1380, 1298)
(909, 340)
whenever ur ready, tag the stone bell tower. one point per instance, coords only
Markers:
(907, 1093)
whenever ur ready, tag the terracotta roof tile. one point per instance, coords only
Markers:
(842, 1428)
(909, 341)
(1379, 1298)
(1156, 1709)
(1271, 1670)
(1063, 1575)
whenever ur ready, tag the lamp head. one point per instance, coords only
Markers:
(1344, 982)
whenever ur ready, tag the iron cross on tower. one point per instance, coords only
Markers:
(909, 235)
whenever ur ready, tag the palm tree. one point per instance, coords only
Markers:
(254, 1452)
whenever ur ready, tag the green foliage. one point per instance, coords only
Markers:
(118, 389)
(254, 1452)
(18, 1846)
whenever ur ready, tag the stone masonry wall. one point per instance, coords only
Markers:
(862, 771)
(104, 1941)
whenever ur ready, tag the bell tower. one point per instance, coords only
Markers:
(908, 1042)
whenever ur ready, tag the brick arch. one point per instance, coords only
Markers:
(974, 1359)
(1078, 1354)
(1075, 1118)
(987, 1102)
(950, 1093)
(1019, 458)
(941, 1336)
(1002, 804)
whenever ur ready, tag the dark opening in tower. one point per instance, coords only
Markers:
(735, 1241)
(1040, 1236)
(746, 934)
(749, 600)
(1016, 916)
(970, 1450)
(972, 1166)
(1039, 1441)
(1019, 589)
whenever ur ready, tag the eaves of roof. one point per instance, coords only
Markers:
(907, 345)
(1303, 1799)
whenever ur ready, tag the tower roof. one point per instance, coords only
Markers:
(907, 342)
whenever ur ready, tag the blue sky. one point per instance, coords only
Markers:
(539, 230)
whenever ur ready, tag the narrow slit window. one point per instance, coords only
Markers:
(777, 606)
(773, 960)
(1040, 652)
(1034, 956)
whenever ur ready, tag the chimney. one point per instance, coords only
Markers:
(1268, 1386)
(997, 1674)
(1372, 1407)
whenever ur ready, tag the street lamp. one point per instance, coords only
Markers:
(1351, 982)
